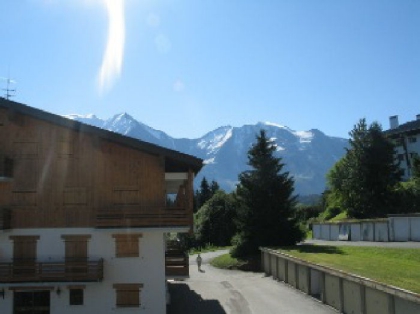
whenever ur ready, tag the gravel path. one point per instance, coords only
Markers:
(217, 291)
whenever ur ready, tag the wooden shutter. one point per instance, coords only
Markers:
(127, 245)
(24, 254)
(128, 295)
(76, 253)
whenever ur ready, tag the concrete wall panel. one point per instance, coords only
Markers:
(344, 232)
(377, 302)
(367, 231)
(325, 232)
(291, 273)
(406, 307)
(303, 278)
(316, 283)
(381, 232)
(267, 263)
(415, 228)
(334, 232)
(281, 267)
(332, 291)
(355, 232)
(273, 266)
(401, 228)
(316, 231)
(352, 297)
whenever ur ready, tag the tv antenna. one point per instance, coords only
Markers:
(8, 88)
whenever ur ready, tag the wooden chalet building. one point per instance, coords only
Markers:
(84, 214)
(406, 138)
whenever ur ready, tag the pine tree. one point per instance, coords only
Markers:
(214, 187)
(265, 202)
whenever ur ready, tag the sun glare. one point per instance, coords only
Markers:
(114, 51)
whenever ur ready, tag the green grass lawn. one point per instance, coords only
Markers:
(208, 248)
(226, 261)
(393, 266)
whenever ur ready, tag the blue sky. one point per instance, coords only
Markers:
(187, 67)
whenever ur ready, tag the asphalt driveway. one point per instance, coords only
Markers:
(216, 291)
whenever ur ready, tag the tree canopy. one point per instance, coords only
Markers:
(362, 182)
(214, 221)
(265, 202)
(205, 193)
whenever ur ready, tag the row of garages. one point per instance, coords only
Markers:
(395, 228)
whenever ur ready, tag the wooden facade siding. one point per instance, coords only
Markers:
(143, 217)
(63, 177)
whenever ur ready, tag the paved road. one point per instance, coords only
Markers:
(407, 245)
(216, 291)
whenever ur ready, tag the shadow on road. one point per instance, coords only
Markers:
(187, 301)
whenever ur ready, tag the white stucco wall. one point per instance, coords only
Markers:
(99, 297)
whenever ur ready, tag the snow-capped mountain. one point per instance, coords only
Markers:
(308, 155)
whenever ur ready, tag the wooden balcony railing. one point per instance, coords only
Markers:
(143, 217)
(176, 264)
(5, 218)
(34, 271)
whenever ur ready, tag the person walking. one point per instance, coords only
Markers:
(199, 260)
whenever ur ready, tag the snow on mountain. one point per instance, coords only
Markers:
(90, 119)
(307, 155)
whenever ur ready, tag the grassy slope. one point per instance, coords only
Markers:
(225, 261)
(397, 267)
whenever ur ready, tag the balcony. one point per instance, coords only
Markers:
(143, 217)
(51, 271)
(176, 264)
(5, 218)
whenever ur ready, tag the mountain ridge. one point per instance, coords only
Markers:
(307, 155)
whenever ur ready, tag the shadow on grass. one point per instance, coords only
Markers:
(309, 248)
(187, 301)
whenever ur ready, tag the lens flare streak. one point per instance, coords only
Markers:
(114, 52)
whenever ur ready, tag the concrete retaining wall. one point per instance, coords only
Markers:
(345, 292)
(395, 228)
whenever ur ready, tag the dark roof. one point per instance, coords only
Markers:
(411, 127)
(174, 160)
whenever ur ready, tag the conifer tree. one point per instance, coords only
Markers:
(265, 202)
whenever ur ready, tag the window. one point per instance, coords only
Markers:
(6, 167)
(399, 142)
(76, 296)
(412, 139)
(127, 245)
(128, 295)
(401, 157)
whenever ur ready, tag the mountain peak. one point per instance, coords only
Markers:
(224, 150)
